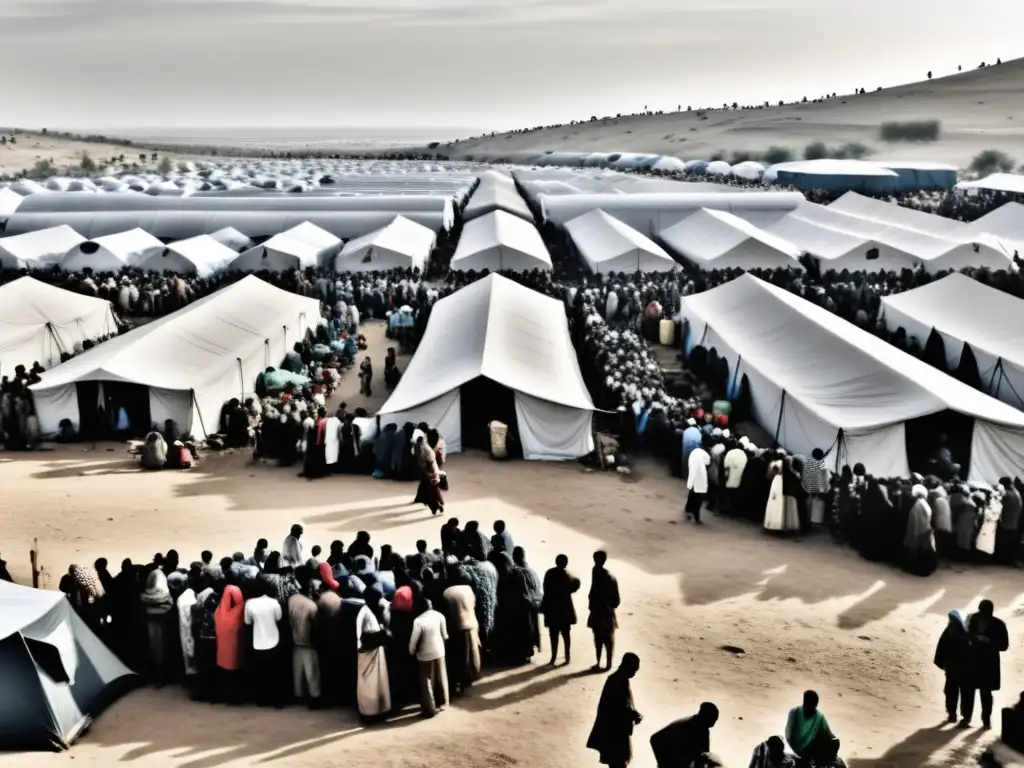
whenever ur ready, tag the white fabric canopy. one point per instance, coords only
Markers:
(812, 374)
(1005, 223)
(112, 253)
(300, 247)
(873, 209)
(201, 256)
(608, 245)
(401, 244)
(494, 195)
(198, 357)
(720, 240)
(997, 182)
(498, 241)
(9, 201)
(39, 321)
(839, 250)
(515, 337)
(965, 311)
(233, 239)
(38, 249)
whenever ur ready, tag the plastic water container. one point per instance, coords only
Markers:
(667, 332)
(499, 433)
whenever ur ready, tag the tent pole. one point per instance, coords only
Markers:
(241, 379)
(199, 411)
(735, 376)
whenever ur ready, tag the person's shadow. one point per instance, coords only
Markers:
(919, 747)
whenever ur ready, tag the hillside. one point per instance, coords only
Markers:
(979, 109)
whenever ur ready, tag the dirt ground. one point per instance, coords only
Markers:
(32, 147)
(806, 614)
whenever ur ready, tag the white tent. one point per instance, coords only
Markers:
(401, 244)
(516, 338)
(9, 201)
(968, 313)
(719, 168)
(38, 249)
(233, 239)
(39, 321)
(608, 245)
(57, 674)
(884, 212)
(1005, 223)
(720, 240)
(498, 241)
(997, 182)
(305, 245)
(493, 195)
(112, 253)
(751, 170)
(839, 250)
(817, 381)
(190, 362)
(201, 256)
(652, 212)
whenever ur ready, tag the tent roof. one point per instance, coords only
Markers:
(986, 318)
(1006, 223)
(20, 606)
(833, 168)
(709, 234)
(9, 201)
(43, 242)
(601, 237)
(207, 253)
(187, 348)
(997, 182)
(846, 376)
(500, 229)
(883, 212)
(499, 329)
(496, 196)
(128, 244)
(232, 238)
(30, 302)
(819, 241)
(401, 235)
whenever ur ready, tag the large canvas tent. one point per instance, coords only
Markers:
(818, 381)
(510, 337)
(839, 250)
(201, 256)
(9, 201)
(834, 176)
(498, 241)
(34, 250)
(57, 675)
(112, 253)
(233, 239)
(720, 240)
(996, 182)
(183, 366)
(494, 195)
(39, 321)
(607, 245)
(967, 314)
(402, 244)
(300, 247)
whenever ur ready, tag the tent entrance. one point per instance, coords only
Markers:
(99, 406)
(483, 401)
(924, 439)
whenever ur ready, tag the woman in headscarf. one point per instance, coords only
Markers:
(775, 510)
(229, 620)
(953, 656)
(186, 601)
(428, 493)
(84, 591)
(373, 686)
(483, 578)
(157, 604)
(525, 595)
(281, 580)
(876, 512)
(126, 613)
(919, 556)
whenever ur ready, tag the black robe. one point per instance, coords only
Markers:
(612, 733)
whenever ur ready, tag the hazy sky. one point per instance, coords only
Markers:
(487, 63)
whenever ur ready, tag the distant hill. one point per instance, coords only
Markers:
(978, 109)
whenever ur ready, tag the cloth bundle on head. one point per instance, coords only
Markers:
(403, 600)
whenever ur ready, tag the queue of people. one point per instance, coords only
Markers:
(353, 626)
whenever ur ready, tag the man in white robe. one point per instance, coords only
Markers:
(332, 442)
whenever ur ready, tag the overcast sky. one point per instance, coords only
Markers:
(487, 63)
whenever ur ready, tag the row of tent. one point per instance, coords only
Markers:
(401, 243)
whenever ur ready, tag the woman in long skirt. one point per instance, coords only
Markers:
(373, 688)
(428, 493)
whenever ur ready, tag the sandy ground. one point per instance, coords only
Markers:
(65, 153)
(806, 614)
(981, 109)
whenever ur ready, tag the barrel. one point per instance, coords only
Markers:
(667, 332)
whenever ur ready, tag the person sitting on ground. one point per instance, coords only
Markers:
(154, 451)
(771, 754)
(809, 735)
(1013, 725)
(687, 741)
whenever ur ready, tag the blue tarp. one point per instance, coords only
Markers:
(839, 182)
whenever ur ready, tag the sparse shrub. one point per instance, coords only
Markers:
(911, 130)
(165, 165)
(742, 156)
(433, 145)
(853, 150)
(43, 169)
(716, 156)
(815, 151)
(87, 164)
(775, 155)
(992, 161)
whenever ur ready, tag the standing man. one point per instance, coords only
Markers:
(603, 602)
(302, 616)
(557, 606)
(292, 554)
(696, 482)
(612, 734)
(988, 639)
(429, 633)
(262, 614)
(691, 439)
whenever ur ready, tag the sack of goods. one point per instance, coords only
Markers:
(499, 433)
